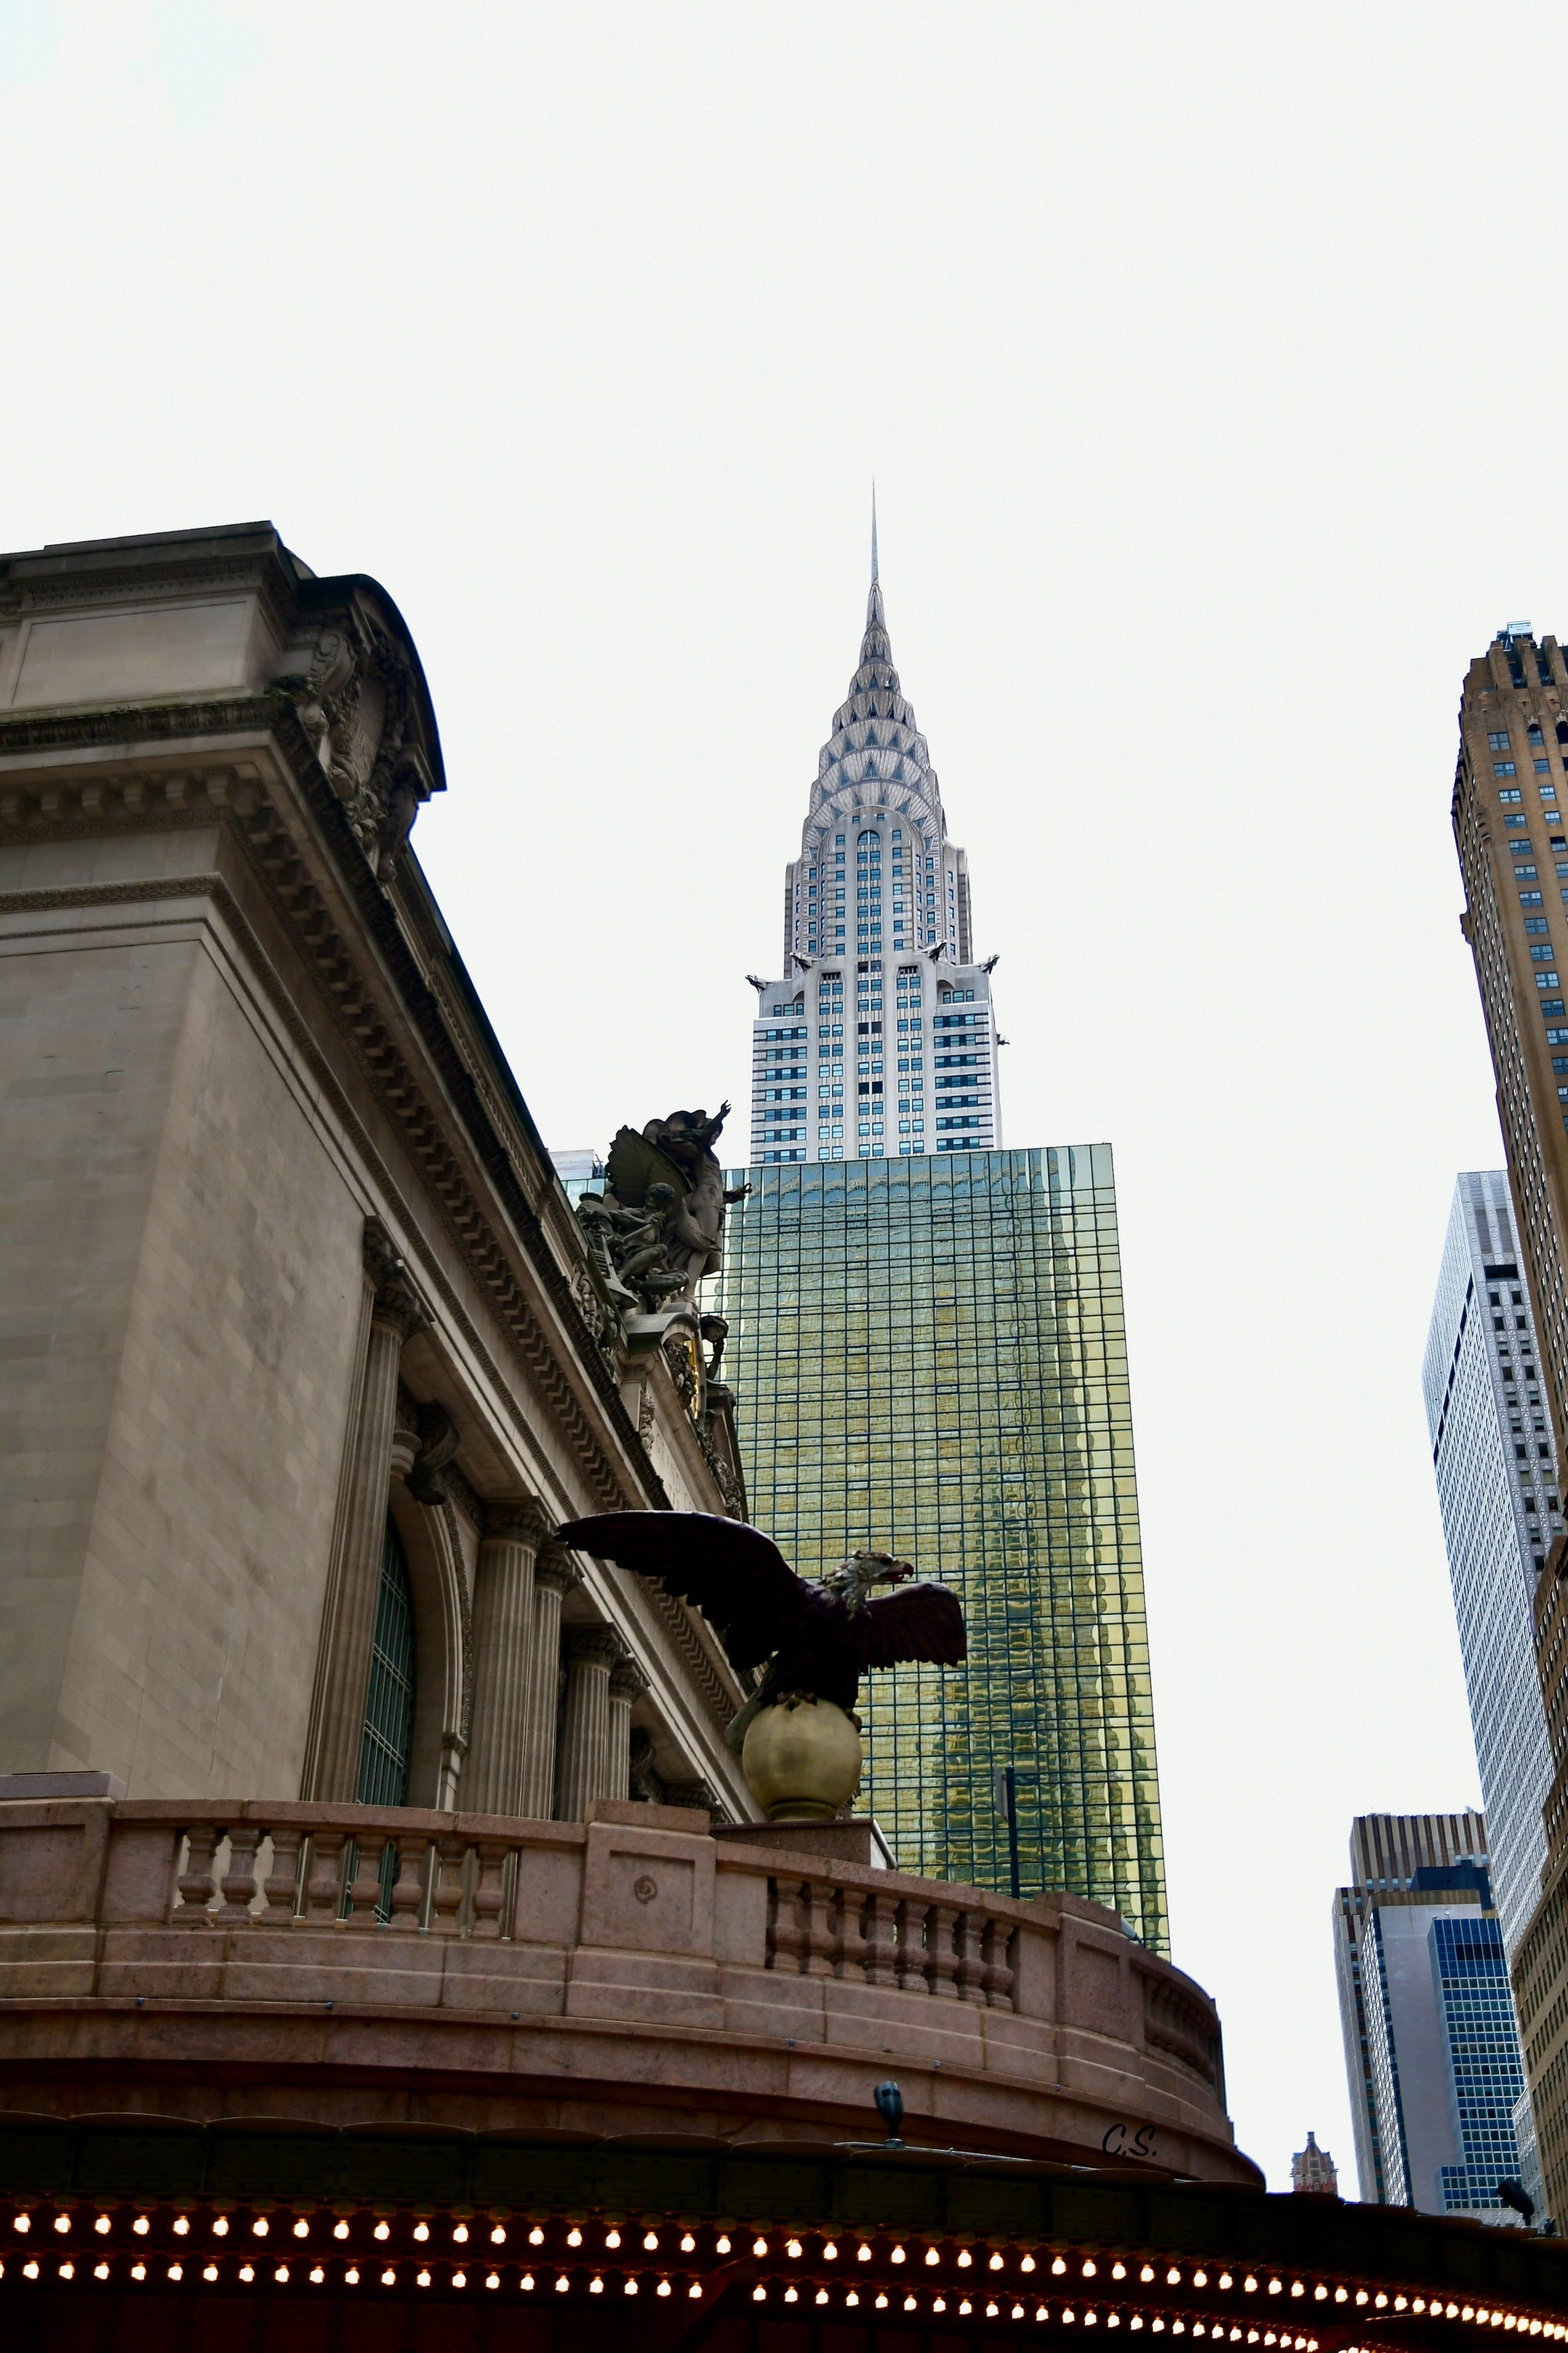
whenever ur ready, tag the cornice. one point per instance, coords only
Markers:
(55, 803)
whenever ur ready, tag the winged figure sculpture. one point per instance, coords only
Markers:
(815, 1640)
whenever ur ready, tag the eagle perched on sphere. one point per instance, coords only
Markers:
(815, 1639)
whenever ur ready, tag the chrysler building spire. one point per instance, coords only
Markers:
(876, 930)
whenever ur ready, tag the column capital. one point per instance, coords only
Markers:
(627, 1681)
(519, 1519)
(593, 1646)
(555, 1568)
(397, 1301)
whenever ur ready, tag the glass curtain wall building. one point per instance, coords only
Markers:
(1496, 1468)
(929, 1355)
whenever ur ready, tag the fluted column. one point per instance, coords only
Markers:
(495, 1776)
(627, 1682)
(343, 1681)
(591, 1652)
(554, 1575)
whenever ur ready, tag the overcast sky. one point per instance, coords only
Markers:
(1211, 363)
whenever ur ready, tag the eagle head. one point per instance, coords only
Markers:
(854, 1580)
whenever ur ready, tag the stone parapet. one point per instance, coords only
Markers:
(627, 1975)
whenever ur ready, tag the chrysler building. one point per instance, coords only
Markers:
(879, 1038)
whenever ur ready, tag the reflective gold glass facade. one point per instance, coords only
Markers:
(929, 1356)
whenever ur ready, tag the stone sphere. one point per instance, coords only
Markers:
(802, 1760)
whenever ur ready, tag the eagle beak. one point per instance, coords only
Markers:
(897, 1573)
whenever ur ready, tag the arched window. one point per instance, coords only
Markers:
(389, 1707)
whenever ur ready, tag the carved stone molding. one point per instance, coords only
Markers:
(594, 1646)
(520, 1520)
(555, 1568)
(46, 808)
(396, 1300)
(439, 1442)
(697, 1794)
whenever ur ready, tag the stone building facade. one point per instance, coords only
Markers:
(302, 1356)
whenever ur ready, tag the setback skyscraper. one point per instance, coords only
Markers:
(1497, 1488)
(1432, 2052)
(928, 1348)
(1512, 842)
(879, 1038)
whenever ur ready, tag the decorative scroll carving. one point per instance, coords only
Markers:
(357, 705)
(439, 1442)
(397, 1301)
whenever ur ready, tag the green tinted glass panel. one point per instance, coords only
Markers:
(389, 1708)
(929, 1356)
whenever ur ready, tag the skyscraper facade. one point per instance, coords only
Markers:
(879, 1040)
(1497, 1487)
(1512, 842)
(928, 1345)
(1432, 2051)
(930, 1355)
(1313, 2173)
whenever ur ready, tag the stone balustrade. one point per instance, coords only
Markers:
(625, 1974)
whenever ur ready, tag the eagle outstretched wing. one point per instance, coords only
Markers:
(734, 1574)
(915, 1621)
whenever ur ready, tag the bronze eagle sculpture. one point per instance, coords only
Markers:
(811, 1638)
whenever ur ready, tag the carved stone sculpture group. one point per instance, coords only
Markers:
(657, 1226)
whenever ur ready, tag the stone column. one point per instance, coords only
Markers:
(496, 1772)
(343, 1678)
(626, 1683)
(591, 1652)
(554, 1575)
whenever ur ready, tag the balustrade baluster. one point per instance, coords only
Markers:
(972, 1928)
(408, 1894)
(942, 1957)
(817, 1939)
(492, 1854)
(281, 1885)
(785, 1943)
(238, 1882)
(910, 1961)
(195, 1882)
(447, 1894)
(849, 1948)
(324, 1890)
(365, 1893)
(881, 1952)
(1001, 1943)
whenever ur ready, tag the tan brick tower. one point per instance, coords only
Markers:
(1508, 825)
